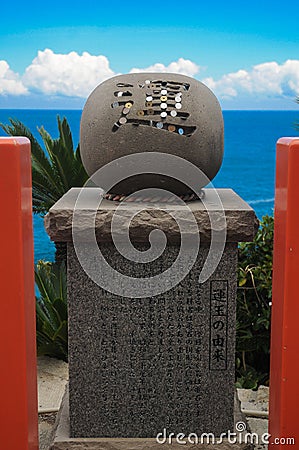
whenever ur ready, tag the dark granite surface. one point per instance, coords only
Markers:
(140, 365)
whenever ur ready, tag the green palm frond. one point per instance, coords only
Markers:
(65, 135)
(55, 168)
(51, 310)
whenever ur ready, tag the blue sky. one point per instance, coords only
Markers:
(52, 54)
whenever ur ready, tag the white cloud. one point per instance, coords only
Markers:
(268, 79)
(75, 75)
(182, 66)
(10, 82)
(67, 74)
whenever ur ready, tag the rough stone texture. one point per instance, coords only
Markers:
(241, 221)
(140, 365)
(254, 404)
(46, 430)
(258, 425)
(52, 379)
(61, 431)
(255, 401)
(63, 441)
(103, 138)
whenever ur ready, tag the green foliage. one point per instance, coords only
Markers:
(254, 307)
(51, 310)
(247, 378)
(56, 168)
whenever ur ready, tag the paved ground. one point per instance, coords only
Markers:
(255, 406)
(53, 377)
(46, 424)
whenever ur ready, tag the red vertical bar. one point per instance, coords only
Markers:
(18, 411)
(284, 367)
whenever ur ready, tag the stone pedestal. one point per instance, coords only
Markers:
(141, 365)
(63, 441)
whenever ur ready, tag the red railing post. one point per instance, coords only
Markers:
(18, 411)
(284, 370)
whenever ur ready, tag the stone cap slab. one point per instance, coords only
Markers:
(240, 222)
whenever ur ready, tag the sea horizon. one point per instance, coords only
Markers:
(223, 109)
(249, 154)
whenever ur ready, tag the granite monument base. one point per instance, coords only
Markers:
(168, 361)
(141, 365)
(63, 441)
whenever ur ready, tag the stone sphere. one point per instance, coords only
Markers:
(152, 112)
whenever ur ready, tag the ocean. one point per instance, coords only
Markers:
(249, 155)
